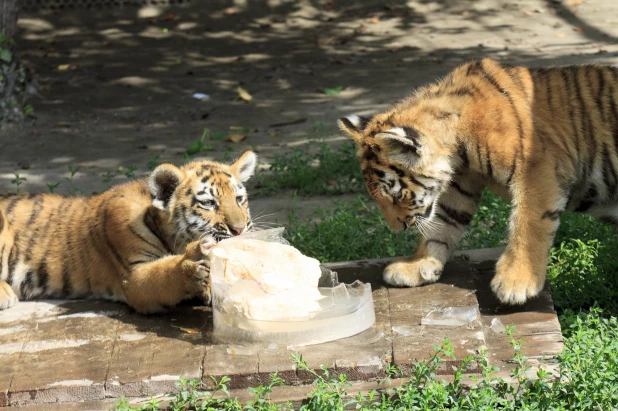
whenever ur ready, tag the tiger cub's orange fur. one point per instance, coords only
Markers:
(141, 242)
(544, 138)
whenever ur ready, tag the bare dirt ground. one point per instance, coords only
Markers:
(116, 84)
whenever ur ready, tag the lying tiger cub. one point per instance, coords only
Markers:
(139, 242)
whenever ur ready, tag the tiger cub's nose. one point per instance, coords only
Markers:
(236, 229)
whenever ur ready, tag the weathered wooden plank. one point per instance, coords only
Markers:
(150, 356)
(240, 365)
(61, 374)
(6, 376)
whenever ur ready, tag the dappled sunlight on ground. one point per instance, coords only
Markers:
(118, 83)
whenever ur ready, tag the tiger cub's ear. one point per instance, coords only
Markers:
(162, 183)
(354, 126)
(400, 145)
(244, 167)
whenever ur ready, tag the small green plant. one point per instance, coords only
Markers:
(52, 186)
(153, 162)
(129, 172)
(123, 405)
(198, 146)
(108, 176)
(18, 181)
(330, 392)
(227, 157)
(73, 190)
(16, 84)
(219, 135)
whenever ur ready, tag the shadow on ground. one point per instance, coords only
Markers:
(116, 84)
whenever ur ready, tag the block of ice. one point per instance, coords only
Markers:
(451, 316)
(265, 291)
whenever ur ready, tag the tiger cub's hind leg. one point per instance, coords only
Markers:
(7, 296)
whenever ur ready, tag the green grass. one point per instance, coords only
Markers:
(313, 169)
(351, 231)
(582, 271)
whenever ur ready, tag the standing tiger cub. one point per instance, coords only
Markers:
(544, 138)
(140, 242)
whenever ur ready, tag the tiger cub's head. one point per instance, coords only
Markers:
(406, 160)
(203, 199)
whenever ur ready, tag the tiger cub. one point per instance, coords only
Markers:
(545, 138)
(142, 242)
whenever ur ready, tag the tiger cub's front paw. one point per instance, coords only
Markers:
(197, 267)
(7, 296)
(413, 272)
(514, 283)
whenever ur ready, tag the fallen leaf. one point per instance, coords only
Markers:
(63, 67)
(560, 34)
(268, 155)
(333, 91)
(289, 123)
(239, 128)
(63, 124)
(170, 16)
(236, 138)
(243, 94)
(230, 10)
(602, 51)
(272, 134)
(187, 330)
(578, 29)
(573, 3)
(375, 20)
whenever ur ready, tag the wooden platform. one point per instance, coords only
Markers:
(86, 354)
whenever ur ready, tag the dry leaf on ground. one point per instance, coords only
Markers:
(236, 138)
(243, 94)
(188, 330)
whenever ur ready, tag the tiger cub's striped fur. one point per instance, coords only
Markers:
(140, 242)
(544, 138)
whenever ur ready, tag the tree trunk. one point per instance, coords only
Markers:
(9, 9)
